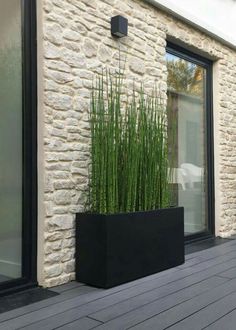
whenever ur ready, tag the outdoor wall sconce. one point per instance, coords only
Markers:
(119, 26)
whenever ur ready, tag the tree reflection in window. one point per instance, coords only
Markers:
(184, 77)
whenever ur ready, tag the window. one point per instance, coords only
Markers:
(18, 132)
(189, 132)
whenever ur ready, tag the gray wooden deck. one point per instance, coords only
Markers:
(201, 294)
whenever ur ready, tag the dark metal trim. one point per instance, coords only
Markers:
(209, 138)
(187, 55)
(29, 113)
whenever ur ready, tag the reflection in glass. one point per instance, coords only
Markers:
(10, 140)
(186, 128)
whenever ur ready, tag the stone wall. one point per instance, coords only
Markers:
(74, 44)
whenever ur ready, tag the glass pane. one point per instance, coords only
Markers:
(186, 130)
(10, 140)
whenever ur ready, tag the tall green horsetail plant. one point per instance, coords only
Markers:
(129, 149)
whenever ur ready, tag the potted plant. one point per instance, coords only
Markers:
(130, 230)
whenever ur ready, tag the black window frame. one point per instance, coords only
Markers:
(207, 64)
(29, 141)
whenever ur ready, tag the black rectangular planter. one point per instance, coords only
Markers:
(117, 248)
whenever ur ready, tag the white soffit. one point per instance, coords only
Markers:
(217, 18)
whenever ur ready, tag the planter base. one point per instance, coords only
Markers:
(114, 249)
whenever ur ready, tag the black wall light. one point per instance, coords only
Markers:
(119, 26)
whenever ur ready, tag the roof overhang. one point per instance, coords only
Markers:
(194, 21)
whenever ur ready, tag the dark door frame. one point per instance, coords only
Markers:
(209, 137)
(29, 175)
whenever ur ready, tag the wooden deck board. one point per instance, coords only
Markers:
(200, 294)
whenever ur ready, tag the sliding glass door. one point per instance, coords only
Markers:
(189, 128)
(16, 142)
(10, 140)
